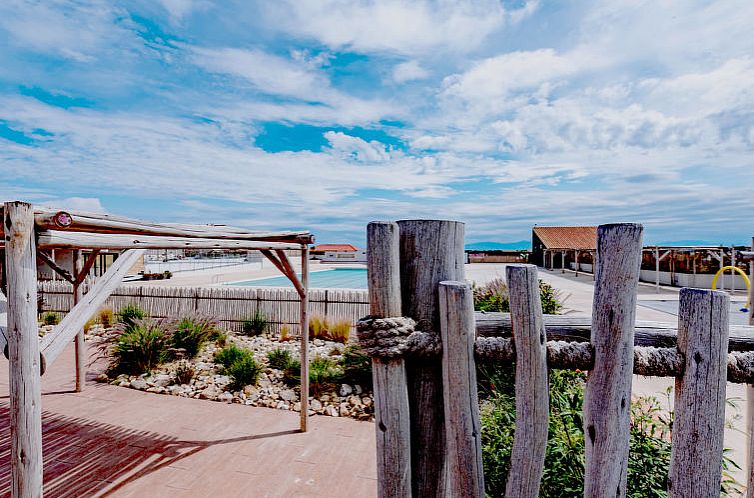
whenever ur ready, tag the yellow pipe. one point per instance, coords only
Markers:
(740, 272)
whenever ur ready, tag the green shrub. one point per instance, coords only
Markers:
(649, 454)
(318, 327)
(339, 331)
(279, 359)
(255, 325)
(184, 372)
(292, 374)
(244, 371)
(220, 338)
(139, 348)
(50, 318)
(357, 366)
(226, 356)
(191, 333)
(130, 314)
(494, 297)
(324, 375)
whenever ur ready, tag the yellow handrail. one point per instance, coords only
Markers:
(740, 272)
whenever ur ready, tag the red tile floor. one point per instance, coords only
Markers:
(114, 441)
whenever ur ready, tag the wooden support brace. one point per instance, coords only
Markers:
(54, 266)
(81, 276)
(290, 273)
(56, 341)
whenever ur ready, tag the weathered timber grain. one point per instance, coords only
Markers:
(607, 400)
(391, 410)
(56, 341)
(23, 346)
(304, 326)
(80, 345)
(750, 394)
(463, 431)
(699, 422)
(431, 251)
(532, 393)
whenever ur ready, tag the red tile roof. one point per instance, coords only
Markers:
(567, 237)
(335, 247)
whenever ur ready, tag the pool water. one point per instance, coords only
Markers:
(338, 278)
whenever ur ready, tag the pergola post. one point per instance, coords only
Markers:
(23, 348)
(750, 396)
(576, 261)
(304, 324)
(79, 341)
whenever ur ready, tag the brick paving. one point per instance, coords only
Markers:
(113, 441)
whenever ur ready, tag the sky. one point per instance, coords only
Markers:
(327, 114)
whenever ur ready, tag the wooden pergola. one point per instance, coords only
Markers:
(29, 231)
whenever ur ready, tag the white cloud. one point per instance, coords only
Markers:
(409, 71)
(85, 204)
(357, 148)
(395, 26)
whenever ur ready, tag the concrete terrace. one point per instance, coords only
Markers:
(113, 441)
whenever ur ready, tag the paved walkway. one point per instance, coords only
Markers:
(113, 441)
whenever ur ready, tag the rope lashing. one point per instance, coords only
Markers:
(394, 337)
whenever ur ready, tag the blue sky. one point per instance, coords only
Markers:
(326, 114)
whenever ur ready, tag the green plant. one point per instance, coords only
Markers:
(285, 333)
(292, 374)
(89, 324)
(339, 331)
(50, 318)
(220, 338)
(191, 333)
(105, 317)
(357, 366)
(650, 429)
(138, 348)
(494, 297)
(244, 371)
(184, 372)
(255, 325)
(279, 359)
(324, 375)
(318, 327)
(130, 314)
(226, 356)
(552, 300)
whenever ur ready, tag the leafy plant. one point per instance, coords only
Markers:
(244, 371)
(50, 318)
(220, 338)
(649, 454)
(255, 325)
(191, 333)
(494, 297)
(226, 356)
(184, 372)
(105, 317)
(318, 327)
(339, 331)
(552, 299)
(139, 347)
(357, 366)
(292, 374)
(279, 359)
(324, 375)
(130, 314)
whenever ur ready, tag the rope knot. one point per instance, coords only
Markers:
(395, 337)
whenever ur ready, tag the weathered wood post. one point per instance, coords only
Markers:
(607, 401)
(699, 422)
(23, 345)
(463, 428)
(532, 393)
(391, 414)
(750, 391)
(431, 251)
(80, 345)
(304, 325)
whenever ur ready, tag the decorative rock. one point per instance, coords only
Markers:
(103, 378)
(139, 384)
(225, 397)
(331, 411)
(345, 390)
(287, 394)
(162, 380)
(315, 405)
(357, 388)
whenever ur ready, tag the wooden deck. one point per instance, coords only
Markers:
(113, 441)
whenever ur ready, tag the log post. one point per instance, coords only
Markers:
(750, 392)
(79, 341)
(304, 325)
(463, 429)
(431, 251)
(23, 346)
(532, 393)
(391, 410)
(699, 422)
(607, 401)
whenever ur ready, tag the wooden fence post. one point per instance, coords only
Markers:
(463, 429)
(699, 422)
(431, 251)
(532, 392)
(80, 345)
(607, 401)
(23, 346)
(391, 414)
(750, 393)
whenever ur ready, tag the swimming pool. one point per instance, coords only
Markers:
(337, 278)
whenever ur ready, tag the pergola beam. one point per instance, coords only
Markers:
(57, 269)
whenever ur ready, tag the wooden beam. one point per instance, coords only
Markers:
(87, 267)
(290, 273)
(23, 344)
(54, 266)
(274, 260)
(49, 219)
(392, 421)
(56, 341)
(83, 240)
